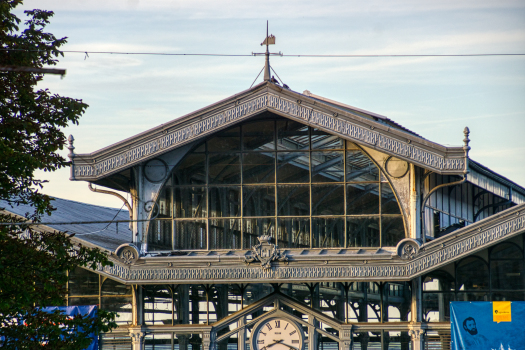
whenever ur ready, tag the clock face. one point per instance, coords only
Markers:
(278, 334)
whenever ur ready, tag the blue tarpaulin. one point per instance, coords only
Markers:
(89, 310)
(487, 325)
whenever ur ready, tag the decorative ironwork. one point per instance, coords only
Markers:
(265, 252)
(408, 248)
(128, 253)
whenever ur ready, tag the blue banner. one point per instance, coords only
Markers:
(89, 310)
(487, 325)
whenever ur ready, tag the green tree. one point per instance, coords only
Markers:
(34, 263)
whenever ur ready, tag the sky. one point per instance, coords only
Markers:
(435, 97)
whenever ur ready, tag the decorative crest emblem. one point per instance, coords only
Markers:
(265, 252)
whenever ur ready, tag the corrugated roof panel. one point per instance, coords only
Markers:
(103, 235)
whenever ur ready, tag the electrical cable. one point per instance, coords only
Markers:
(105, 228)
(282, 55)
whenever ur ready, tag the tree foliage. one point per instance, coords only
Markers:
(34, 262)
(31, 118)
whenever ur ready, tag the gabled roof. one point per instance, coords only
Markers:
(350, 123)
(72, 213)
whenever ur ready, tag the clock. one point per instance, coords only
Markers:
(277, 333)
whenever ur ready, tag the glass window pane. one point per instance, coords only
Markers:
(507, 274)
(190, 234)
(363, 231)
(110, 287)
(393, 230)
(227, 140)
(293, 167)
(328, 166)
(158, 306)
(358, 166)
(225, 233)
(293, 233)
(324, 140)
(389, 203)
(506, 251)
(328, 199)
(83, 282)
(190, 202)
(163, 205)
(472, 273)
(157, 341)
(362, 199)
(191, 171)
(258, 135)
(121, 305)
(292, 136)
(225, 168)
(82, 301)
(293, 200)
(258, 200)
(439, 281)
(328, 232)
(225, 201)
(159, 235)
(508, 296)
(253, 228)
(480, 296)
(258, 167)
(436, 306)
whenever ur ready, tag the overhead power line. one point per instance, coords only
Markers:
(282, 55)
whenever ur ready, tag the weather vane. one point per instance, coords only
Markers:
(269, 40)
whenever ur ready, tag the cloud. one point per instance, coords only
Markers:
(273, 8)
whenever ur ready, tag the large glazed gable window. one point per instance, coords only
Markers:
(277, 177)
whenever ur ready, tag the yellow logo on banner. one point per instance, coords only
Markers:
(501, 311)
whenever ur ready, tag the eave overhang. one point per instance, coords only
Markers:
(322, 264)
(284, 102)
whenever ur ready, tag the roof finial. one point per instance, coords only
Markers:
(71, 148)
(270, 40)
(466, 147)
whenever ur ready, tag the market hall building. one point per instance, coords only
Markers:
(277, 220)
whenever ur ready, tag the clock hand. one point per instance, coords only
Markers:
(291, 347)
(275, 342)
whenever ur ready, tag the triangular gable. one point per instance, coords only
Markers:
(268, 97)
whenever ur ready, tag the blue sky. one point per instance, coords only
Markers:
(435, 97)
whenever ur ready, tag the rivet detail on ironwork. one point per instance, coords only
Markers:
(299, 101)
(336, 114)
(209, 264)
(372, 127)
(409, 141)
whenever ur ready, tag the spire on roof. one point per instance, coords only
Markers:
(269, 40)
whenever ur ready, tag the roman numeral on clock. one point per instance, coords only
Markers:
(269, 327)
(292, 333)
(260, 341)
(277, 324)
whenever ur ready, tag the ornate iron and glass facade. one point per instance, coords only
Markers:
(326, 226)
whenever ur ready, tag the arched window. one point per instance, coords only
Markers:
(300, 185)
(506, 267)
(472, 279)
(438, 292)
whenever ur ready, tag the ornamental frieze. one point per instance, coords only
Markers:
(417, 260)
(88, 167)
